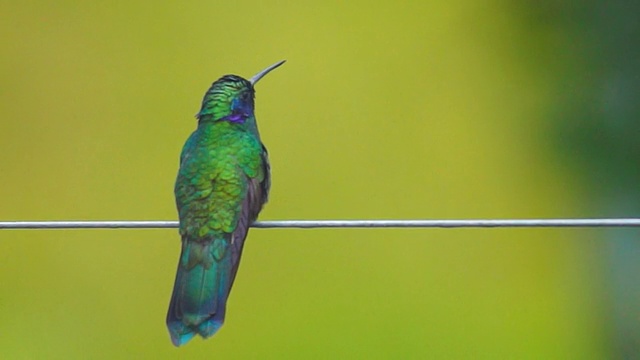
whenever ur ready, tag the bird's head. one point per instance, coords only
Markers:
(230, 98)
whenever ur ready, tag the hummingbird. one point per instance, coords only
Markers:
(222, 184)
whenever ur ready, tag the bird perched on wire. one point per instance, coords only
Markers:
(222, 184)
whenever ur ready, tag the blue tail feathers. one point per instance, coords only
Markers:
(200, 291)
(181, 333)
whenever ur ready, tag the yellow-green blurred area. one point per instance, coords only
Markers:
(384, 110)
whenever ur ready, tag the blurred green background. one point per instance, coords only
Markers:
(398, 110)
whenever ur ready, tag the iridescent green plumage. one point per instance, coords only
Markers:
(222, 184)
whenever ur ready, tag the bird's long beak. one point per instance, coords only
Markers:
(264, 72)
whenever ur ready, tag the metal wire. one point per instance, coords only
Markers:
(312, 224)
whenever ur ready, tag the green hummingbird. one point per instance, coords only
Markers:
(222, 184)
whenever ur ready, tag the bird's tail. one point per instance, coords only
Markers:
(200, 292)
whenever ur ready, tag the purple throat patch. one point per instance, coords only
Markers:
(236, 118)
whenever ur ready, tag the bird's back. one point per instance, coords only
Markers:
(217, 164)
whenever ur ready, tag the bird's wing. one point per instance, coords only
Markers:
(266, 169)
(257, 193)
